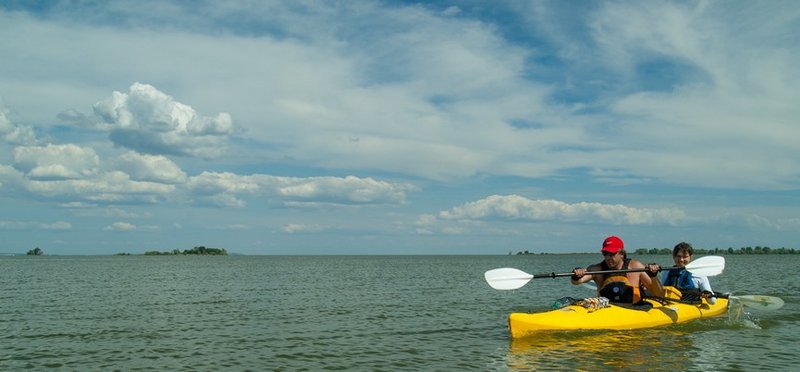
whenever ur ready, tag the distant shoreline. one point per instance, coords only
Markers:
(758, 250)
(790, 251)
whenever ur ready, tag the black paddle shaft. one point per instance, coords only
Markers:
(554, 275)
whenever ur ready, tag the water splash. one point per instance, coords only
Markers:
(738, 316)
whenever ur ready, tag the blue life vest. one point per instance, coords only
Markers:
(679, 278)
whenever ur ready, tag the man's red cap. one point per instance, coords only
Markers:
(612, 244)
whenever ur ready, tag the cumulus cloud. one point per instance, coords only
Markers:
(228, 187)
(109, 187)
(149, 121)
(441, 93)
(350, 189)
(515, 207)
(14, 134)
(155, 168)
(56, 162)
(77, 175)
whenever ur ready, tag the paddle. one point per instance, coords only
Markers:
(509, 278)
(754, 301)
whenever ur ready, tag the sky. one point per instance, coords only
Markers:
(398, 127)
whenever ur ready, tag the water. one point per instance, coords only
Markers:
(371, 313)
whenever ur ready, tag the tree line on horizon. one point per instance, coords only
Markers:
(721, 251)
(202, 251)
(702, 251)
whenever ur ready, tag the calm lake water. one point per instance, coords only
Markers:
(357, 313)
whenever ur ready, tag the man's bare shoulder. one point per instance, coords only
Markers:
(594, 267)
(635, 264)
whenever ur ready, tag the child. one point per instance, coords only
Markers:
(693, 287)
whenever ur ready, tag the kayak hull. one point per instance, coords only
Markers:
(613, 317)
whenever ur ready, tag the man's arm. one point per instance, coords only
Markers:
(651, 281)
(579, 275)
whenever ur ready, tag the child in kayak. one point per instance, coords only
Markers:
(692, 287)
(625, 287)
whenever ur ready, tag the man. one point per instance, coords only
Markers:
(623, 288)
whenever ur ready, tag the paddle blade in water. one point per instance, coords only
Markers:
(760, 302)
(707, 266)
(507, 278)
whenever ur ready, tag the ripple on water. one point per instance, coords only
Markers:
(341, 313)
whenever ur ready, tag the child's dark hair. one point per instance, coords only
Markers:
(683, 246)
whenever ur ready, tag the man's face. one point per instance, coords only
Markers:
(612, 259)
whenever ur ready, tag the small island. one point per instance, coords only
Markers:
(35, 252)
(202, 251)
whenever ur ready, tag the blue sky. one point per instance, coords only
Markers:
(386, 127)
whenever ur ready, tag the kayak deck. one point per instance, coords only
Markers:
(613, 317)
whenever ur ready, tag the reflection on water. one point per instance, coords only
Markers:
(600, 350)
(705, 345)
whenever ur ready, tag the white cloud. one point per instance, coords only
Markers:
(156, 168)
(294, 228)
(59, 225)
(13, 225)
(234, 227)
(727, 118)
(451, 11)
(76, 175)
(447, 97)
(222, 182)
(335, 190)
(149, 121)
(454, 230)
(29, 225)
(107, 187)
(56, 162)
(788, 224)
(125, 226)
(700, 94)
(425, 220)
(10, 177)
(349, 190)
(225, 200)
(120, 226)
(14, 134)
(515, 207)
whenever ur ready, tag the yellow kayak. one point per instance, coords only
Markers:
(614, 317)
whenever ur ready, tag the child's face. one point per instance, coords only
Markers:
(682, 258)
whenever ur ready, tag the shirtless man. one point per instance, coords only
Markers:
(626, 288)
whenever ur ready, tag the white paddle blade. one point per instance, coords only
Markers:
(507, 278)
(760, 302)
(707, 266)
